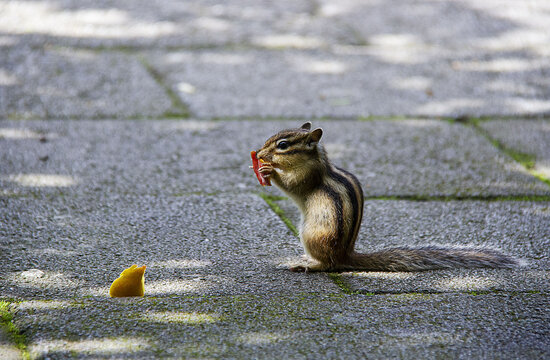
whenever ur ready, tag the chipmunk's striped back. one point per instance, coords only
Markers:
(346, 193)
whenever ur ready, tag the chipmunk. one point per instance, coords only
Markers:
(331, 199)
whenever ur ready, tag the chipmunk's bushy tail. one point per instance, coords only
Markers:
(430, 258)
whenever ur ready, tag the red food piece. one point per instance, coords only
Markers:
(264, 181)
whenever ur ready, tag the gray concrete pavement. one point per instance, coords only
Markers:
(71, 83)
(295, 58)
(100, 202)
(125, 132)
(356, 81)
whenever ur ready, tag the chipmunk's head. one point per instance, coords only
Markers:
(293, 147)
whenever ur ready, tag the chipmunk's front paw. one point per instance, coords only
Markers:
(266, 170)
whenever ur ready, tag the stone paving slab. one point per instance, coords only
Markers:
(403, 157)
(433, 158)
(530, 137)
(465, 25)
(516, 228)
(479, 281)
(297, 326)
(350, 59)
(67, 83)
(144, 157)
(352, 82)
(191, 245)
(170, 23)
(81, 200)
(461, 26)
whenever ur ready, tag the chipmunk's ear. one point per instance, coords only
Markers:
(315, 135)
(306, 126)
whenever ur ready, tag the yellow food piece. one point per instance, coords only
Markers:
(131, 282)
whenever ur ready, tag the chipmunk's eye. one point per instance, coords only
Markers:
(283, 145)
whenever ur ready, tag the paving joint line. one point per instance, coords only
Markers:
(187, 115)
(343, 284)
(270, 201)
(137, 49)
(14, 333)
(449, 198)
(442, 292)
(527, 160)
(357, 41)
(181, 109)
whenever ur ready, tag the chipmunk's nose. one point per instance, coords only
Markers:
(258, 154)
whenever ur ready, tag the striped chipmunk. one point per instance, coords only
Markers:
(331, 204)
